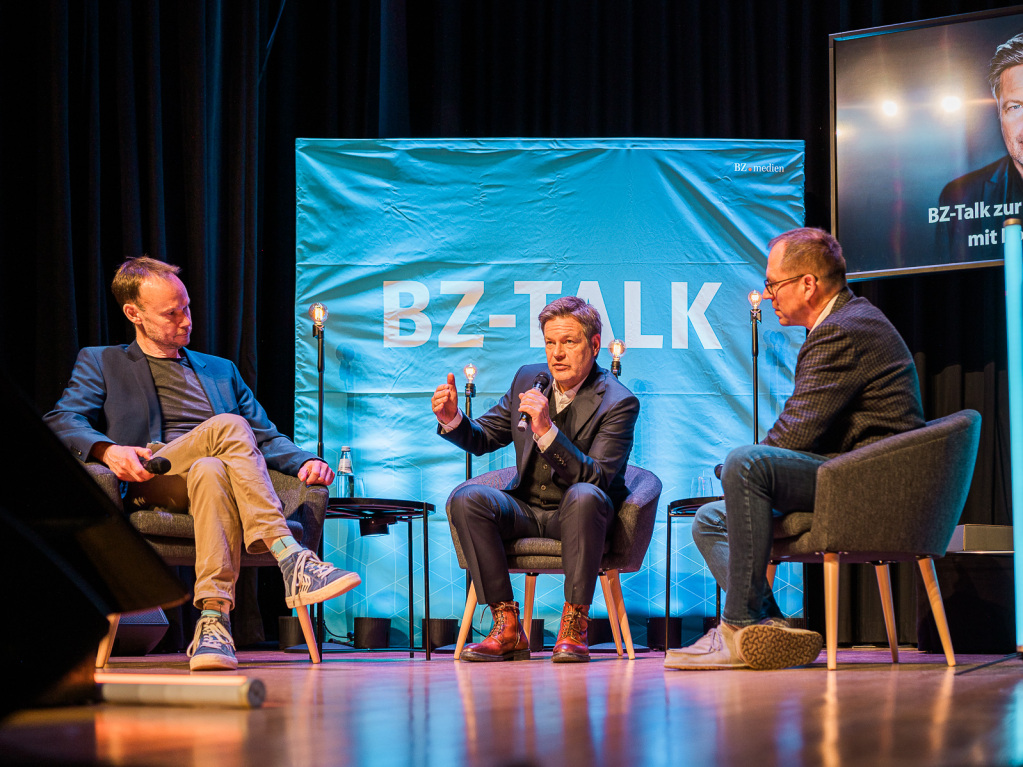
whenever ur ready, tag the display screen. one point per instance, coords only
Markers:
(925, 160)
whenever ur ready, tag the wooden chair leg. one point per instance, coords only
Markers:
(937, 607)
(612, 611)
(884, 585)
(831, 608)
(527, 604)
(463, 630)
(771, 568)
(622, 616)
(307, 632)
(106, 645)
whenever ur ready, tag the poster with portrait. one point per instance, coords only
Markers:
(927, 157)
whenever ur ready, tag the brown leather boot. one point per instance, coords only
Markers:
(506, 640)
(572, 646)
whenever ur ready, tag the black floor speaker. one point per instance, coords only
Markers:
(139, 632)
(70, 558)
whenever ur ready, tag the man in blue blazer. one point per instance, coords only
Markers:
(572, 442)
(855, 383)
(153, 398)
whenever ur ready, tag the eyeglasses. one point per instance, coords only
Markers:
(770, 288)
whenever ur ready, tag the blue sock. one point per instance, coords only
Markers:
(284, 546)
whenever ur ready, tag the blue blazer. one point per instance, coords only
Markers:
(111, 397)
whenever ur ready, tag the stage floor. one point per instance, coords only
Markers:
(386, 709)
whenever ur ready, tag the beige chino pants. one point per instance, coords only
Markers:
(219, 476)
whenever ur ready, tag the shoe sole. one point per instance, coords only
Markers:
(767, 648)
(681, 665)
(211, 662)
(331, 590)
(570, 657)
(469, 655)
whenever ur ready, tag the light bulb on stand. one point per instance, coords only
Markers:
(470, 377)
(754, 299)
(617, 349)
(318, 314)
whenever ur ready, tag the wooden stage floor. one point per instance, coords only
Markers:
(385, 709)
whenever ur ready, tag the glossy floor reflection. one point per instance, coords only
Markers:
(385, 709)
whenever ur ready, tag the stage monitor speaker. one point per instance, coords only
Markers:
(70, 558)
(139, 632)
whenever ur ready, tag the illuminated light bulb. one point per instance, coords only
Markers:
(470, 373)
(617, 349)
(889, 107)
(951, 104)
(318, 313)
(754, 299)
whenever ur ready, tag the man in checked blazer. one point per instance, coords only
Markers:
(855, 383)
(572, 438)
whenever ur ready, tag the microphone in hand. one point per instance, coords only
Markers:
(157, 465)
(541, 382)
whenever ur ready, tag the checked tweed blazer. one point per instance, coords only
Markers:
(855, 384)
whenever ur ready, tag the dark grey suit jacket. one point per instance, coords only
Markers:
(991, 185)
(111, 398)
(855, 384)
(593, 445)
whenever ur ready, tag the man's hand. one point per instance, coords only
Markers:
(536, 405)
(124, 461)
(445, 401)
(316, 472)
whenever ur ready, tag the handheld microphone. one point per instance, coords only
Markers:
(157, 465)
(541, 382)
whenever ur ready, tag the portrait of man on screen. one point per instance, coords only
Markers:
(972, 207)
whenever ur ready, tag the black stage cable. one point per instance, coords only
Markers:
(985, 665)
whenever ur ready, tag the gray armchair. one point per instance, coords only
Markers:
(898, 499)
(172, 535)
(630, 536)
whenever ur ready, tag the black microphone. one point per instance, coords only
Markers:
(541, 382)
(157, 465)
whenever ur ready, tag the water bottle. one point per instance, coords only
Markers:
(345, 474)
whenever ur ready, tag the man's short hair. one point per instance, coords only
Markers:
(576, 308)
(133, 272)
(812, 251)
(1007, 55)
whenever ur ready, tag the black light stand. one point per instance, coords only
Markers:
(755, 298)
(318, 313)
(470, 372)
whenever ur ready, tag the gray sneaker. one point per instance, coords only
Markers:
(309, 580)
(715, 650)
(771, 646)
(212, 648)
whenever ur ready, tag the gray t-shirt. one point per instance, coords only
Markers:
(183, 401)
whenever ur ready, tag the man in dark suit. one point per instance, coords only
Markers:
(973, 206)
(571, 461)
(127, 404)
(855, 383)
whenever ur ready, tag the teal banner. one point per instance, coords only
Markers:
(430, 254)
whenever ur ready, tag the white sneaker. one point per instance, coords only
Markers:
(715, 650)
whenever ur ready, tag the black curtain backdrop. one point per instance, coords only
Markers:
(169, 127)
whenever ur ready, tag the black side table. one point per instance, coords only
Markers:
(376, 515)
(685, 507)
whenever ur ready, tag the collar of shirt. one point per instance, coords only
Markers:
(564, 399)
(826, 312)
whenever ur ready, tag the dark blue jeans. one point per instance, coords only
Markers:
(761, 483)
